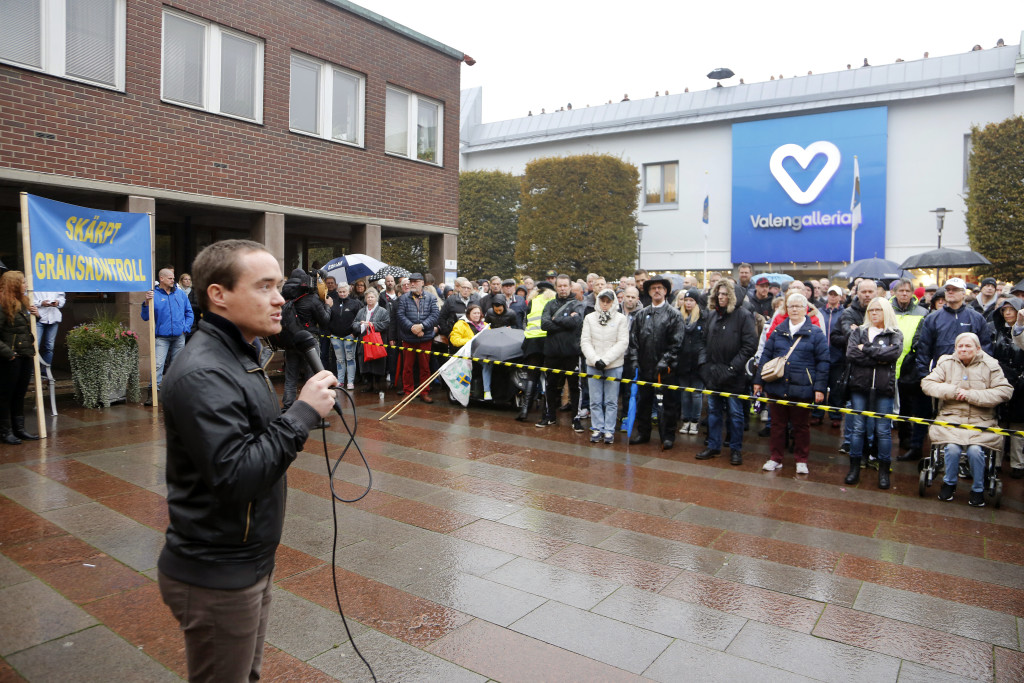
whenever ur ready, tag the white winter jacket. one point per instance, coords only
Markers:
(605, 342)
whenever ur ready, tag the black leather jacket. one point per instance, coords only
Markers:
(228, 447)
(563, 328)
(654, 339)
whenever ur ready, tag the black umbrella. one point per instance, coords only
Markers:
(873, 269)
(395, 271)
(721, 73)
(503, 343)
(946, 258)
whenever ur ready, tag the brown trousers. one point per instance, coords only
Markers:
(224, 629)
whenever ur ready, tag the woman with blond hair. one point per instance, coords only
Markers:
(694, 324)
(16, 351)
(872, 352)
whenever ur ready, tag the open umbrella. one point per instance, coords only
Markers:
(721, 73)
(352, 267)
(503, 343)
(873, 269)
(394, 271)
(780, 279)
(946, 258)
(676, 280)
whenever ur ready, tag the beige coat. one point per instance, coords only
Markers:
(986, 388)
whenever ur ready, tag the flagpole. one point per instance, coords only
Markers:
(855, 208)
(707, 225)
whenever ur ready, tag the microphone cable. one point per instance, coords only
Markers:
(351, 431)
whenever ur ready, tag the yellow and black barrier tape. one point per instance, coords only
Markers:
(705, 392)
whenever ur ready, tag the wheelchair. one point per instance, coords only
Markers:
(933, 465)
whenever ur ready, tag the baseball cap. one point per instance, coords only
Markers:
(955, 282)
(607, 294)
(551, 273)
(762, 281)
(837, 289)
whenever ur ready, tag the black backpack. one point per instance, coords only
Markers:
(291, 324)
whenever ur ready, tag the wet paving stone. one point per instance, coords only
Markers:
(937, 649)
(702, 663)
(572, 588)
(666, 552)
(671, 529)
(821, 586)
(594, 636)
(626, 570)
(782, 552)
(510, 539)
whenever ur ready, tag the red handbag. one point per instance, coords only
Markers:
(373, 344)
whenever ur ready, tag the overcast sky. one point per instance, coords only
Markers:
(547, 53)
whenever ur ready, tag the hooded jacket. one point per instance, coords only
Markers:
(909, 318)
(507, 318)
(1010, 358)
(730, 341)
(986, 388)
(607, 342)
(693, 342)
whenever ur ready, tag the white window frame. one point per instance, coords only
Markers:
(412, 117)
(325, 105)
(53, 44)
(661, 205)
(211, 67)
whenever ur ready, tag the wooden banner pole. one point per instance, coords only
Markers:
(152, 314)
(26, 248)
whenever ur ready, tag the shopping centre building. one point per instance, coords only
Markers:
(776, 160)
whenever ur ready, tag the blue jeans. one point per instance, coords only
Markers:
(166, 349)
(882, 426)
(486, 371)
(691, 401)
(604, 399)
(976, 461)
(717, 406)
(47, 334)
(345, 352)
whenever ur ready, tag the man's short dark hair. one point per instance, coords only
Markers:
(219, 264)
(563, 276)
(640, 271)
(747, 266)
(904, 282)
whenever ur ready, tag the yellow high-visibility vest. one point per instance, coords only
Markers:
(534, 314)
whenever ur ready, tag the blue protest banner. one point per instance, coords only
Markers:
(77, 249)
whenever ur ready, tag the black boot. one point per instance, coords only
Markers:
(6, 436)
(854, 475)
(529, 390)
(19, 429)
(883, 474)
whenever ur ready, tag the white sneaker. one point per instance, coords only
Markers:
(380, 396)
(685, 429)
(694, 427)
(583, 414)
(350, 386)
(801, 468)
(764, 416)
(487, 396)
(771, 466)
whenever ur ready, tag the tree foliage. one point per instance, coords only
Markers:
(411, 253)
(995, 198)
(578, 216)
(488, 224)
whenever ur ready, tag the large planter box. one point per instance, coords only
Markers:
(105, 375)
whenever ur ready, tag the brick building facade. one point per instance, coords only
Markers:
(130, 140)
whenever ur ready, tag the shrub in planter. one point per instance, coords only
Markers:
(104, 358)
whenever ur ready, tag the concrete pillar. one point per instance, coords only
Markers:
(268, 229)
(129, 304)
(366, 240)
(443, 248)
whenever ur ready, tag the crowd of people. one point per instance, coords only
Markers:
(887, 347)
(884, 347)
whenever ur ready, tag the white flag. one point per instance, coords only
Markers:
(458, 374)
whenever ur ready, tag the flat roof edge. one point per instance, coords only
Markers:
(400, 29)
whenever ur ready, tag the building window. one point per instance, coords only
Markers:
(660, 182)
(213, 68)
(326, 100)
(78, 39)
(421, 141)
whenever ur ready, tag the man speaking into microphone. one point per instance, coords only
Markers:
(228, 446)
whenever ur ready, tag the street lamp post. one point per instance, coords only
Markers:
(639, 241)
(940, 217)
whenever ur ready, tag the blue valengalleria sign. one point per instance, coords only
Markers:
(76, 249)
(792, 184)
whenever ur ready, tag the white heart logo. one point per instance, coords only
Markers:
(804, 157)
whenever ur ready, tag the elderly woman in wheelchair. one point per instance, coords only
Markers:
(969, 385)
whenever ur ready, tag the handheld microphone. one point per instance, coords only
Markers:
(307, 344)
